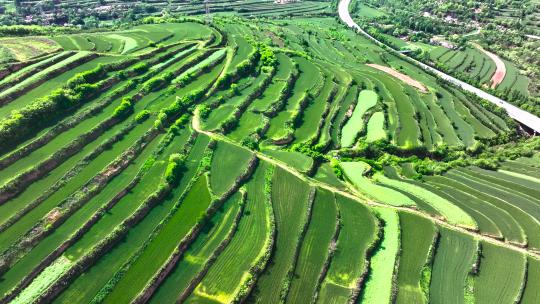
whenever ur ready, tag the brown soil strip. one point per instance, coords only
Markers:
(405, 78)
(500, 72)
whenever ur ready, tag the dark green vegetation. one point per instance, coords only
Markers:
(254, 160)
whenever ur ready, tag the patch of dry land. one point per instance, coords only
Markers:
(405, 78)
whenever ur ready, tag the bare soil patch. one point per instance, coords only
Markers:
(405, 78)
(500, 72)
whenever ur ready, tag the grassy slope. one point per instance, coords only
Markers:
(358, 232)
(454, 259)
(417, 234)
(451, 212)
(289, 197)
(315, 246)
(354, 172)
(226, 274)
(379, 286)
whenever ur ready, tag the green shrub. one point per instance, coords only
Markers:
(204, 111)
(124, 109)
(140, 68)
(174, 170)
(42, 111)
(185, 79)
(142, 116)
(250, 142)
(157, 82)
(90, 76)
(268, 58)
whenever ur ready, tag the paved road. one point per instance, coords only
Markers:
(522, 116)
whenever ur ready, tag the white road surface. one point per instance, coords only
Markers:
(522, 116)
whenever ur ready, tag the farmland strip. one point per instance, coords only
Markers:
(454, 258)
(286, 188)
(72, 230)
(314, 248)
(418, 237)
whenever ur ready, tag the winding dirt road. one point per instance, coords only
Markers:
(530, 120)
(500, 71)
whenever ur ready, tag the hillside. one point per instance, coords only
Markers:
(490, 45)
(257, 160)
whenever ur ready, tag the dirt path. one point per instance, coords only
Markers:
(500, 72)
(405, 78)
(357, 196)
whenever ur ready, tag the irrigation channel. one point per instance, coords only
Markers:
(525, 118)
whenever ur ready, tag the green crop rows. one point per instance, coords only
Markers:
(259, 160)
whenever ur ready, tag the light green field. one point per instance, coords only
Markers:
(375, 127)
(43, 281)
(366, 100)
(379, 286)
(354, 171)
(451, 212)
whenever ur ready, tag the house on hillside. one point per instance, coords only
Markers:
(284, 1)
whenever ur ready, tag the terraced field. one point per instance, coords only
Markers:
(474, 64)
(476, 43)
(258, 160)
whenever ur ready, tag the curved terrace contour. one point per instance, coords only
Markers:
(530, 120)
